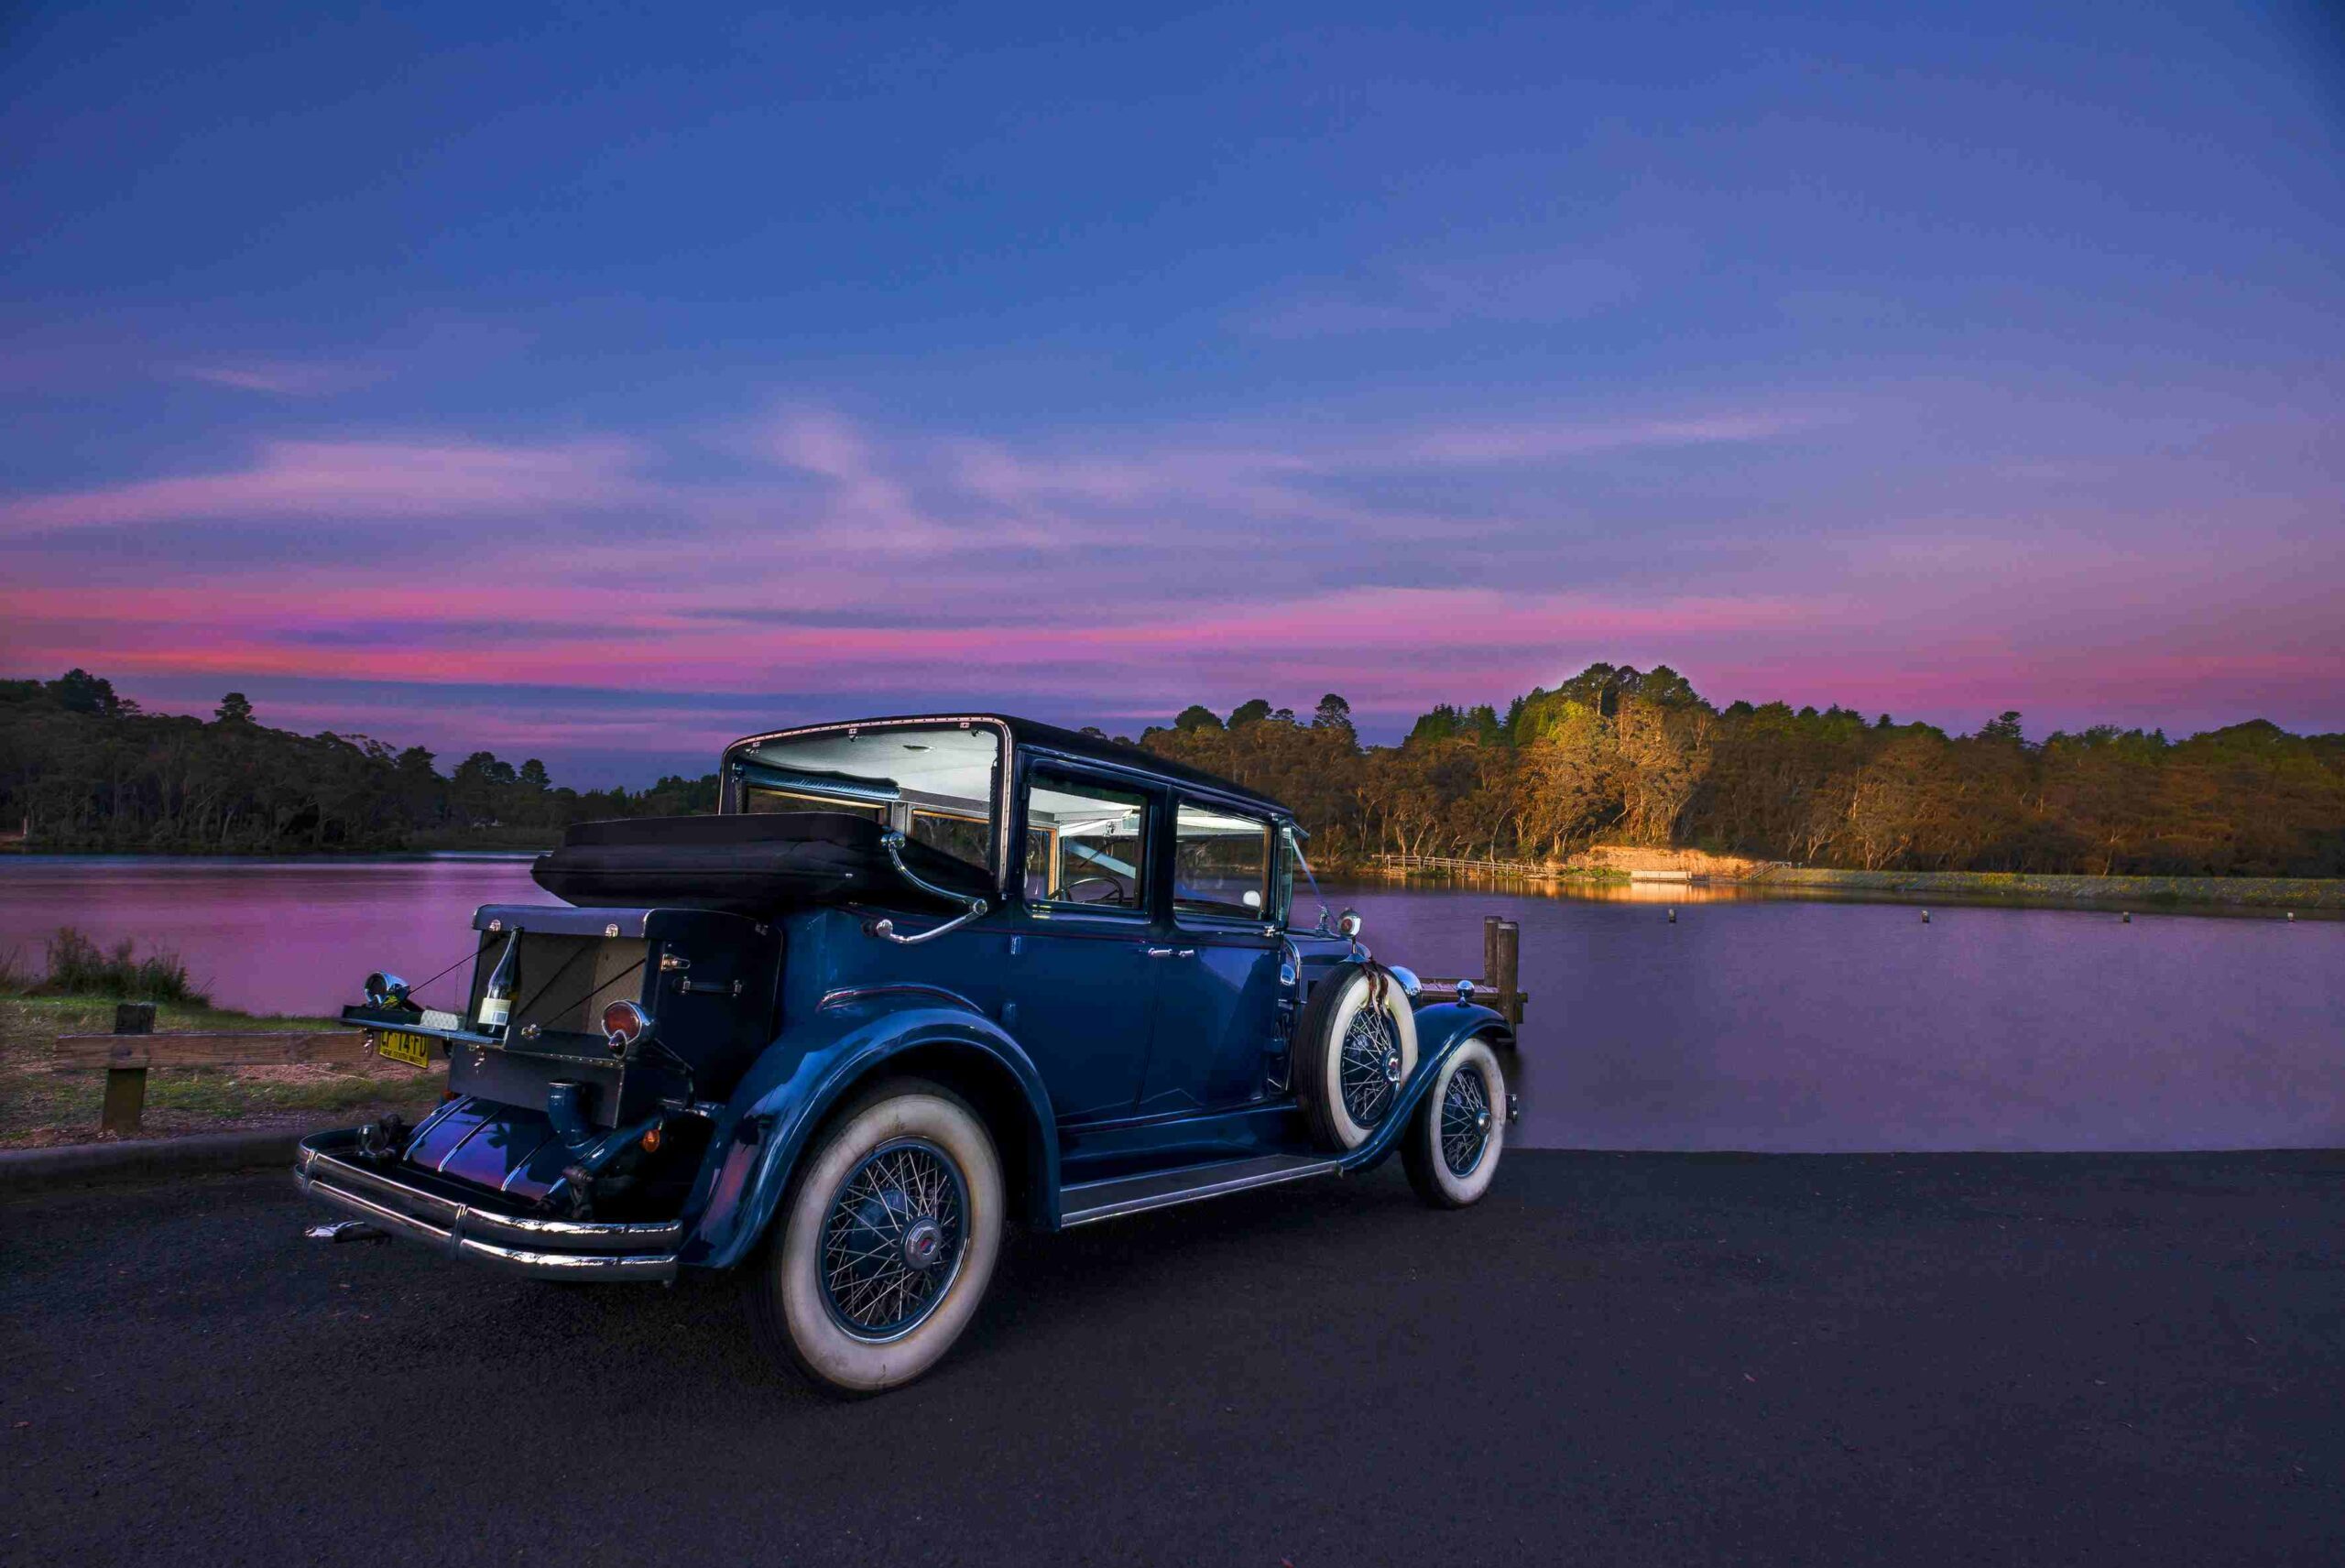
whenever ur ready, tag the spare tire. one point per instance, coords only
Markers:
(1356, 1046)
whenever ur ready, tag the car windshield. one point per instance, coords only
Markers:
(935, 783)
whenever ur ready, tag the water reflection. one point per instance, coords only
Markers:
(1772, 1024)
(1751, 1022)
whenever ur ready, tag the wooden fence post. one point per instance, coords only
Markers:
(1490, 951)
(1507, 971)
(126, 1086)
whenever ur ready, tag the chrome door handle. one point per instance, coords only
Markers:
(1170, 952)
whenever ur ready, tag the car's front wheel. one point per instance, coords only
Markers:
(1452, 1152)
(886, 1241)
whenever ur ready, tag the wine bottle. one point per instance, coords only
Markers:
(496, 1000)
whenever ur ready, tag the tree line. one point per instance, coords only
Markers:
(82, 769)
(1619, 756)
(1612, 756)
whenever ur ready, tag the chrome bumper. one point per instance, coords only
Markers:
(513, 1244)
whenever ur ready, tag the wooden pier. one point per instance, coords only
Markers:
(1501, 989)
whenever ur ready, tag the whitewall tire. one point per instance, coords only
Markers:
(885, 1242)
(1356, 1046)
(1458, 1130)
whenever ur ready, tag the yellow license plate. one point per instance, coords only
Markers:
(415, 1050)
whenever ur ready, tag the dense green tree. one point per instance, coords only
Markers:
(1333, 714)
(1615, 754)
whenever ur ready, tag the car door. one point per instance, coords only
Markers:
(1080, 976)
(1216, 1036)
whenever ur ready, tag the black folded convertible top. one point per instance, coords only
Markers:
(753, 865)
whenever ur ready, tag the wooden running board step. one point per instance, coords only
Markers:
(1087, 1202)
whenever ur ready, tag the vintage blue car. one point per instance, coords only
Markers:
(918, 977)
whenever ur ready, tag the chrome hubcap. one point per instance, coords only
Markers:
(894, 1239)
(924, 1244)
(1465, 1120)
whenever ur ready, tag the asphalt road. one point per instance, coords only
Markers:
(1615, 1358)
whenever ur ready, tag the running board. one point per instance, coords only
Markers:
(1092, 1201)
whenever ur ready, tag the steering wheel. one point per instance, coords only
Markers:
(1094, 890)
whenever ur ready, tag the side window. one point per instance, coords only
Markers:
(1086, 844)
(1222, 863)
(968, 838)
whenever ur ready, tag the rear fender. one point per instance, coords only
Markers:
(806, 1073)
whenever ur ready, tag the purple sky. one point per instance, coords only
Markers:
(600, 392)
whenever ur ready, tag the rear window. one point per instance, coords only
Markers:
(936, 784)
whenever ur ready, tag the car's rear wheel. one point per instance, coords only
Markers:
(1452, 1150)
(886, 1241)
(1356, 1046)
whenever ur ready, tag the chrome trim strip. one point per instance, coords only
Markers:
(461, 1142)
(1069, 1219)
(528, 1159)
(440, 1114)
(847, 995)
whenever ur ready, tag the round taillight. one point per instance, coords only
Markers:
(623, 1023)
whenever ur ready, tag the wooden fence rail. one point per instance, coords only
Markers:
(1527, 869)
(134, 1047)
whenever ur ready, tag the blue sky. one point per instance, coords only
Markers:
(600, 383)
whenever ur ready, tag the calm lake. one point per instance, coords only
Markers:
(1748, 1024)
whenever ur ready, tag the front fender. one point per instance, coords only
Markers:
(1441, 1029)
(802, 1076)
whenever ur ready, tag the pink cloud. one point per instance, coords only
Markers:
(370, 479)
(1540, 441)
(283, 378)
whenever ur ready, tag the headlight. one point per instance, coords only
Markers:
(385, 990)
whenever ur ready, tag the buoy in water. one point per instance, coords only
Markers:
(1926, 917)
(2127, 918)
(2292, 914)
(1672, 916)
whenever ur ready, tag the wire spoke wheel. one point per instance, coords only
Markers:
(1465, 1120)
(1369, 1072)
(1353, 1048)
(1458, 1132)
(893, 1239)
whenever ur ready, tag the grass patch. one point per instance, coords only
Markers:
(40, 1106)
